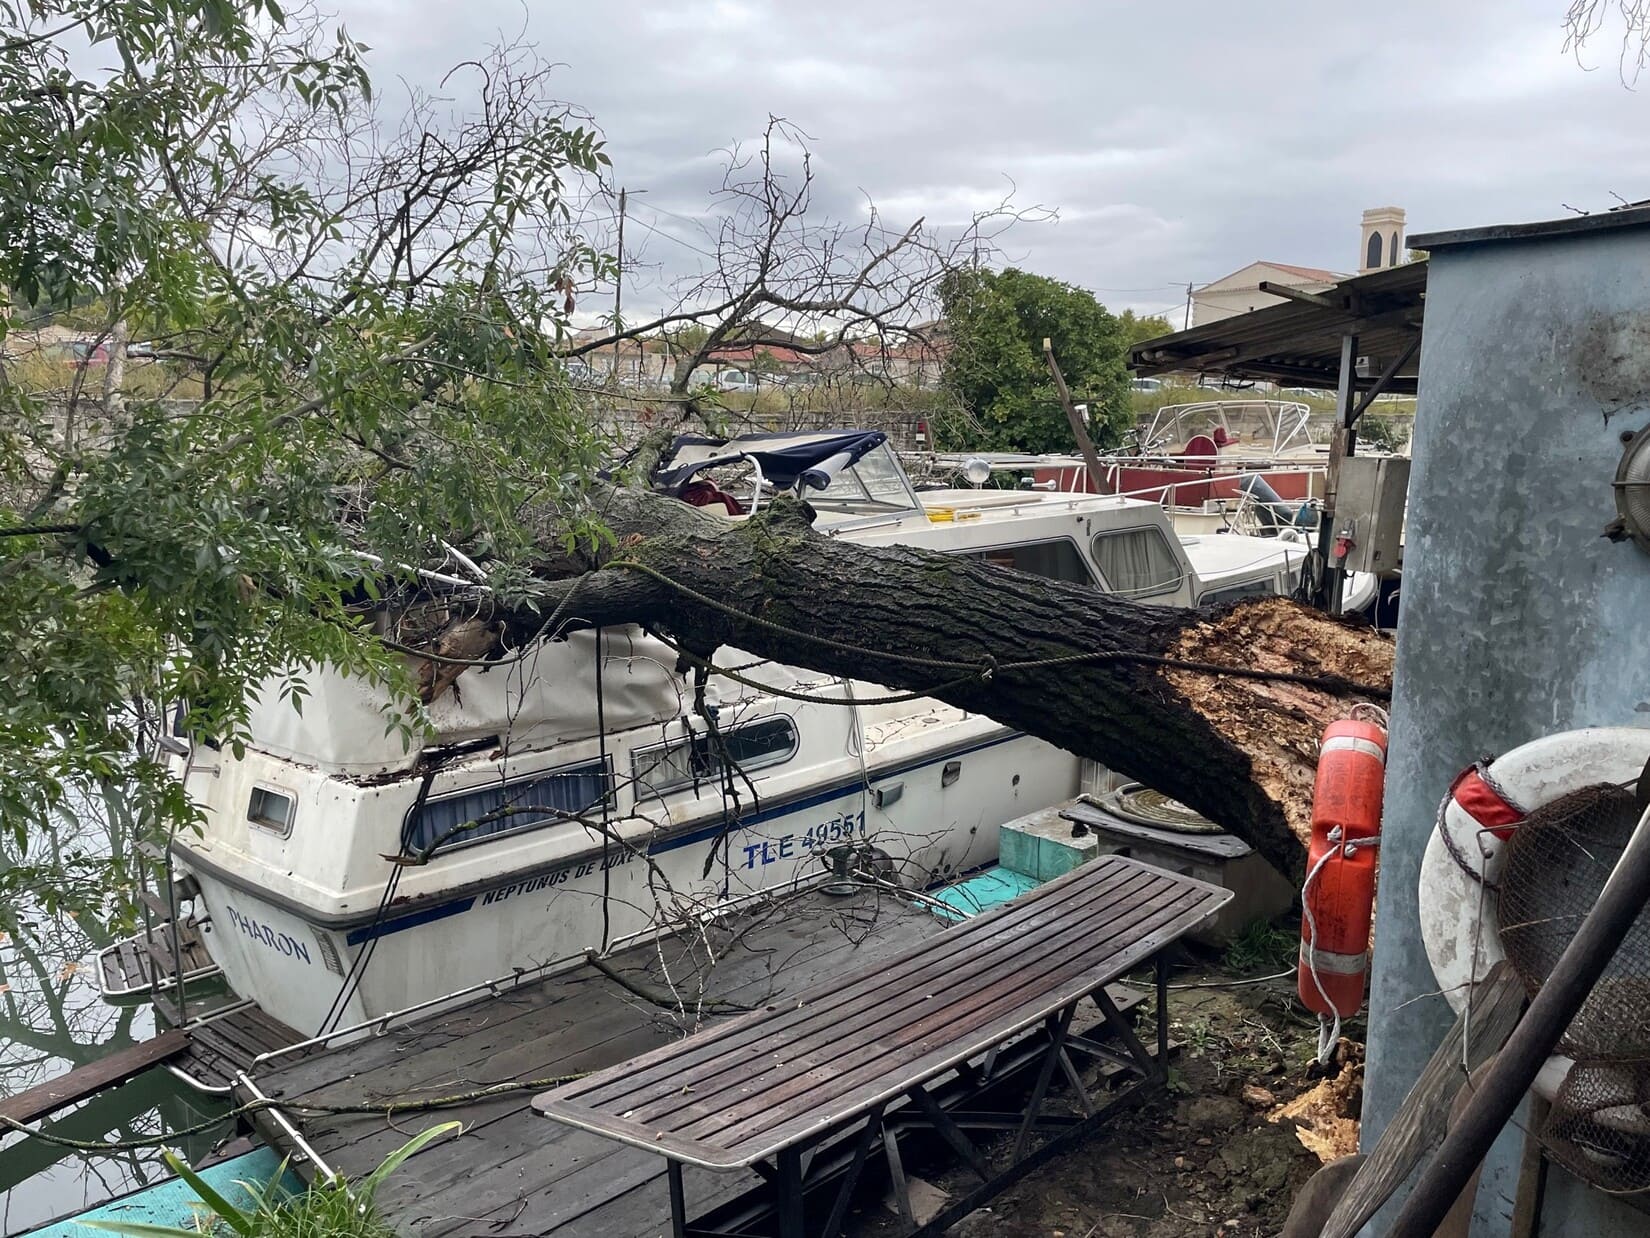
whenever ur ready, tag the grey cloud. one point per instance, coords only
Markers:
(1181, 140)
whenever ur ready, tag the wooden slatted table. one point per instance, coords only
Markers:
(805, 1089)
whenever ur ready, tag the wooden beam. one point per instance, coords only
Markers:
(1298, 294)
(93, 1077)
(1286, 342)
(1081, 431)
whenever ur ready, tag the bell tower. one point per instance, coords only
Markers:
(1382, 242)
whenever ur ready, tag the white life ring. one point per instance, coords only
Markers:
(1458, 914)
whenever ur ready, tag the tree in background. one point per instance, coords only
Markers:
(998, 322)
(383, 470)
(1138, 328)
(1585, 20)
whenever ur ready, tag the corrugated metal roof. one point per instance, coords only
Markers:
(1298, 343)
(1634, 215)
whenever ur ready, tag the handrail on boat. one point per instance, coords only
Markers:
(267, 1104)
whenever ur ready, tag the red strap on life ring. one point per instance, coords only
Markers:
(1484, 804)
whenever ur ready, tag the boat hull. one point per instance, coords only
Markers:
(933, 814)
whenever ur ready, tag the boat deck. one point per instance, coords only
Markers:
(137, 965)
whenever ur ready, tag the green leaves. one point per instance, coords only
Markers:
(356, 370)
(998, 322)
(333, 1209)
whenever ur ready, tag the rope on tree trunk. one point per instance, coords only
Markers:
(984, 671)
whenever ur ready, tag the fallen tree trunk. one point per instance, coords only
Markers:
(1220, 708)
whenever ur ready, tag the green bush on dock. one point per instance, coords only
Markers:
(333, 1209)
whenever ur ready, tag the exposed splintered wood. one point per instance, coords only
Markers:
(1416, 1128)
(1278, 724)
(1099, 675)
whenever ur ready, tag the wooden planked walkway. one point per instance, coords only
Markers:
(135, 965)
(512, 1172)
(93, 1077)
(224, 1044)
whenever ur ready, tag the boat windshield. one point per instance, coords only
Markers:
(740, 474)
(1254, 427)
(876, 480)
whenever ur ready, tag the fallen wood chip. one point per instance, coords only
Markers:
(1326, 1116)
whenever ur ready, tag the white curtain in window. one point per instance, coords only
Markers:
(1136, 561)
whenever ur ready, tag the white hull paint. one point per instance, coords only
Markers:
(291, 962)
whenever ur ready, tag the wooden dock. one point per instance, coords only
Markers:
(513, 1172)
(803, 1091)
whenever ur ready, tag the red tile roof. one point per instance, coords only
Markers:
(1316, 274)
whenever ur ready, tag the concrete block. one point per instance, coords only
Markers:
(1017, 850)
(1058, 852)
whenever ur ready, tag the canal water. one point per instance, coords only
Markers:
(52, 1019)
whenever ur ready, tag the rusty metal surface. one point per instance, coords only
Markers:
(740, 1093)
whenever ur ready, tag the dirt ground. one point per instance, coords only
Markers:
(1204, 1158)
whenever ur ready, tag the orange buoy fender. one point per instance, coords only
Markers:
(1338, 900)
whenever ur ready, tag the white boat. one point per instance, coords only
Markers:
(1251, 466)
(573, 799)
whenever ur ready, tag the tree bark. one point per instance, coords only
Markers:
(1102, 677)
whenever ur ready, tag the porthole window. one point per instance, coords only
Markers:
(271, 810)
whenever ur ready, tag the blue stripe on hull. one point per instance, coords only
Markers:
(367, 932)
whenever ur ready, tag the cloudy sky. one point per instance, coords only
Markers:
(1178, 140)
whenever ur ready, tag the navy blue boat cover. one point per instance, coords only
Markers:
(783, 456)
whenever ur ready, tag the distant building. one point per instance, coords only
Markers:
(1382, 242)
(1239, 292)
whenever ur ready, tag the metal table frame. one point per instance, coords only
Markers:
(842, 1153)
(808, 1090)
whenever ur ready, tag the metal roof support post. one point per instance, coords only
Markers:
(1341, 445)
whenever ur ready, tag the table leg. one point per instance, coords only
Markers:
(1161, 963)
(791, 1223)
(678, 1199)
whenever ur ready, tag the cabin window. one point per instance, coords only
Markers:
(1137, 562)
(1231, 593)
(1056, 560)
(270, 809)
(508, 806)
(697, 759)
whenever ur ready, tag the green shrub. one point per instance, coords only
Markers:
(333, 1209)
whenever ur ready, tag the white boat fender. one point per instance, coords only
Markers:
(1464, 857)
